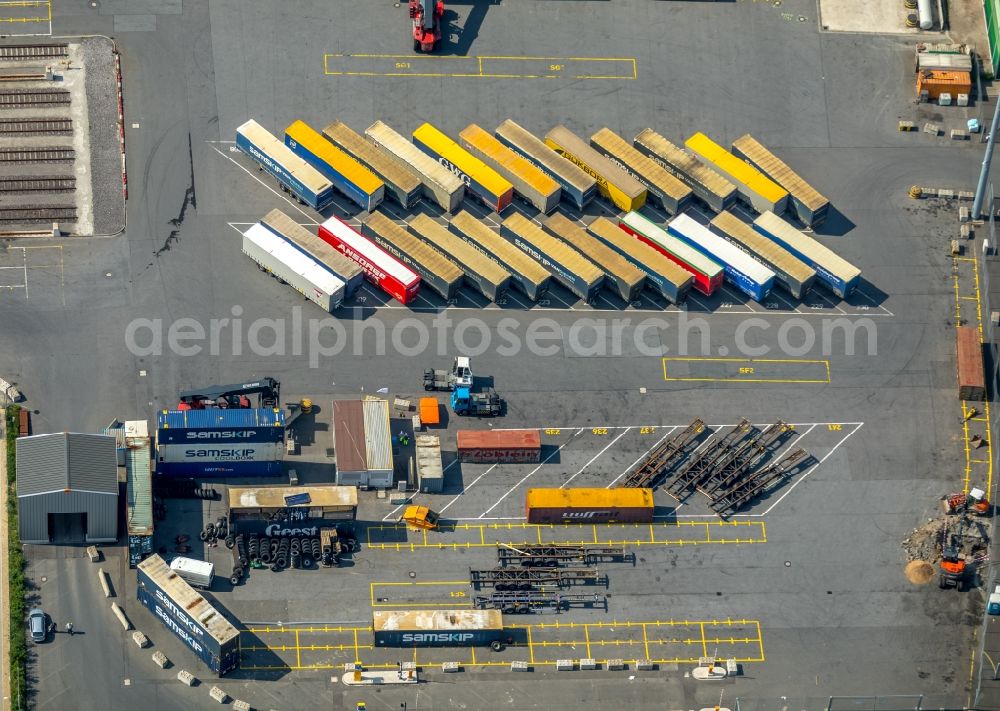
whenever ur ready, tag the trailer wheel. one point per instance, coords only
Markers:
(525, 586)
(496, 645)
(509, 610)
(234, 580)
(203, 535)
(416, 45)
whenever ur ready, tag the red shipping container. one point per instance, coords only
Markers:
(971, 374)
(381, 268)
(506, 446)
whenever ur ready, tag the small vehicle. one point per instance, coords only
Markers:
(466, 402)
(420, 517)
(459, 376)
(38, 625)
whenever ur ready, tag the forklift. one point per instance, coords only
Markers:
(466, 402)
(953, 562)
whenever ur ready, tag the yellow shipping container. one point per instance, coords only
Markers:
(483, 181)
(589, 505)
(762, 192)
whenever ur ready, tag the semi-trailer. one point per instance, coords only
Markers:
(349, 177)
(790, 272)
(220, 442)
(664, 188)
(480, 180)
(293, 174)
(278, 257)
(570, 268)
(807, 203)
(402, 184)
(188, 615)
(437, 628)
(482, 272)
(530, 182)
(759, 191)
(663, 276)
(499, 446)
(971, 374)
(578, 188)
(527, 274)
(581, 505)
(832, 270)
(741, 270)
(708, 185)
(620, 275)
(440, 185)
(613, 183)
(436, 271)
(309, 244)
(382, 269)
(708, 274)
(430, 469)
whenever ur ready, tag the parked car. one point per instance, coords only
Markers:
(38, 625)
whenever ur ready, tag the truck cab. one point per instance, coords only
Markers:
(462, 370)
(466, 402)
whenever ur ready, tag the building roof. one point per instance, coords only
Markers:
(66, 462)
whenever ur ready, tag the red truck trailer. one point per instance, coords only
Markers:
(381, 268)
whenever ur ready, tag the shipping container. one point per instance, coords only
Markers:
(220, 426)
(663, 187)
(430, 470)
(440, 184)
(292, 173)
(790, 271)
(255, 461)
(503, 446)
(943, 61)
(378, 442)
(707, 273)
(305, 241)
(436, 628)
(807, 203)
(480, 180)
(759, 191)
(278, 257)
(436, 271)
(708, 185)
(578, 188)
(570, 268)
(937, 82)
(620, 275)
(349, 177)
(382, 269)
(527, 274)
(663, 276)
(186, 613)
(402, 184)
(834, 272)
(350, 455)
(625, 192)
(255, 509)
(482, 271)
(529, 181)
(971, 374)
(741, 270)
(196, 573)
(560, 506)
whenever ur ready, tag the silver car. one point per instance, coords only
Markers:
(38, 625)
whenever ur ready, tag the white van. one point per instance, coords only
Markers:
(196, 573)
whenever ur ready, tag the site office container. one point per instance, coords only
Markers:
(440, 184)
(402, 184)
(708, 185)
(663, 276)
(503, 446)
(436, 628)
(578, 188)
(430, 470)
(186, 613)
(355, 181)
(529, 181)
(494, 190)
(807, 203)
(275, 255)
(559, 506)
(196, 573)
(571, 269)
(669, 192)
(834, 272)
(971, 374)
(620, 275)
(527, 274)
(292, 172)
(760, 192)
(789, 271)
(613, 183)
(481, 270)
(436, 271)
(385, 271)
(707, 273)
(309, 244)
(253, 509)
(741, 270)
(935, 82)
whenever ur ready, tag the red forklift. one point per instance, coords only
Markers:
(426, 16)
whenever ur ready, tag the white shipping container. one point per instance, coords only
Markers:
(430, 472)
(446, 188)
(196, 573)
(280, 258)
(378, 443)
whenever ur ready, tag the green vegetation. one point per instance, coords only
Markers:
(15, 568)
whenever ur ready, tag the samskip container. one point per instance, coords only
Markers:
(436, 271)
(708, 185)
(528, 275)
(436, 628)
(353, 180)
(664, 188)
(624, 191)
(402, 184)
(808, 204)
(440, 184)
(292, 172)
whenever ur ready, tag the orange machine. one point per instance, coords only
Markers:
(935, 82)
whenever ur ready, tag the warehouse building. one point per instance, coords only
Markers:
(67, 488)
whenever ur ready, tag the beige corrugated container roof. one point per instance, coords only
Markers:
(188, 600)
(642, 165)
(604, 167)
(577, 236)
(420, 252)
(436, 620)
(312, 244)
(553, 248)
(400, 175)
(759, 244)
(378, 436)
(686, 163)
(779, 172)
(438, 235)
(492, 241)
(266, 497)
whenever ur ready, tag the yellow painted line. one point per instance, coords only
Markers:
(645, 641)
(357, 652)
(454, 600)
(402, 64)
(586, 634)
(298, 650)
(760, 640)
(531, 648)
(750, 366)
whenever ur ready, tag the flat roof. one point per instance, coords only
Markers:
(268, 497)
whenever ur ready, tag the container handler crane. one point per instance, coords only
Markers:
(426, 16)
(236, 396)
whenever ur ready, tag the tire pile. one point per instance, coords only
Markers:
(297, 552)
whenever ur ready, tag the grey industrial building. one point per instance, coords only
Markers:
(67, 488)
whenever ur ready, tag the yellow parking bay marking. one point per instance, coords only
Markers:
(396, 537)
(480, 67)
(24, 11)
(450, 593)
(746, 370)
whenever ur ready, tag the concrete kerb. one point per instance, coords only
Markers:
(120, 614)
(4, 557)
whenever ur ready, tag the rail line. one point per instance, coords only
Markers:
(13, 185)
(32, 214)
(36, 126)
(14, 52)
(20, 98)
(37, 155)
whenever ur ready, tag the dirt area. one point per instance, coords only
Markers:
(925, 542)
(881, 18)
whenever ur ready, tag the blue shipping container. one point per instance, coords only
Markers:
(218, 426)
(357, 195)
(814, 254)
(218, 469)
(282, 173)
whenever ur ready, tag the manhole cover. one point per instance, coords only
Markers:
(788, 564)
(413, 574)
(802, 18)
(107, 275)
(44, 579)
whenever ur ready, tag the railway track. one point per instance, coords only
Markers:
(23, 98)
(37, 155)
(36, 126)
(15, 52)
(37, 214)
(11, 185)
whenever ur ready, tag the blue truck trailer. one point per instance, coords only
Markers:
(293, 173)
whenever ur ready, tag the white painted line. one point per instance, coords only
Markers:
(776, 295)
(392, 513)
(466, 488)
(596, 456)
(529, 474)
(641, 456)
(276, 192)
(24, 254)
(510, 295)
(673, 427)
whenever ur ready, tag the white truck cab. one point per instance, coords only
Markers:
(462, 370)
